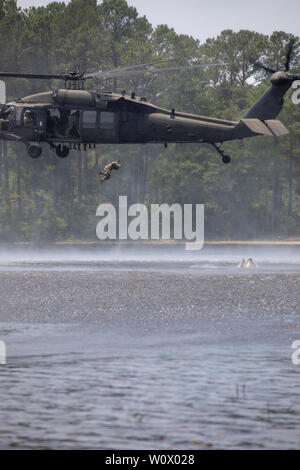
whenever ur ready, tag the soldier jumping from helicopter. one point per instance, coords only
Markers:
(107, 170)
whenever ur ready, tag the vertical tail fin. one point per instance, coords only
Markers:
(269, 105)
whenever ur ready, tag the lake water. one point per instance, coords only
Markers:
(149, 348)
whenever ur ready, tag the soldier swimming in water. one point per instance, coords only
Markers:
(247, 264)
(250, 263)
(108, 169)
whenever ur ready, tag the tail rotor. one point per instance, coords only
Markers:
(286, 66)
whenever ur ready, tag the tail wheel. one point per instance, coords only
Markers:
(226, 159)
(62, 151)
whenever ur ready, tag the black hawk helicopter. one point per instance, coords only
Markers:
(69, 117)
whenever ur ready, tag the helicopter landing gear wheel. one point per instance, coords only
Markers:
(62, 151)
(226, 159)
(34, 150)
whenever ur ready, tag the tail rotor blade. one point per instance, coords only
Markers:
(264, 67)
(289, 54)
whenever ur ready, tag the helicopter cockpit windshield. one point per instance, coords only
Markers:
(6, 112)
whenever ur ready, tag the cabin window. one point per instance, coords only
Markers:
(89, 119)
(107, 120)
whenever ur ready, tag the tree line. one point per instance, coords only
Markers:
(256, 196)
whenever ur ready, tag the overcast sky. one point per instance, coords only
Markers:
(207, 18)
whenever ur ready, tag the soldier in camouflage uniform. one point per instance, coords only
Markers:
(107, 170)
(4, 123)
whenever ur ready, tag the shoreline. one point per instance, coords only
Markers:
(166, 243)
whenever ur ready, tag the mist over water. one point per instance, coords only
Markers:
(212, 255)
(149, 347)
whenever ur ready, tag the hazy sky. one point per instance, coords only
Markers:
(207, 18)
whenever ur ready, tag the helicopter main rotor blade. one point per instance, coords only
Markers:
(128, 73)
(132, 67)
(132, 70)
(72, 75)
(32, 75)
